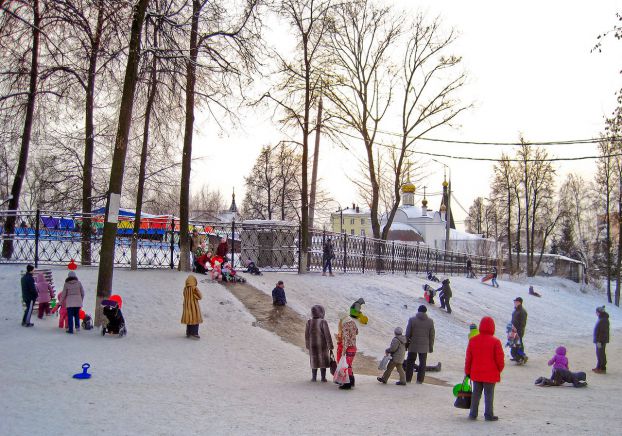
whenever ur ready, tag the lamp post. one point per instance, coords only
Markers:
(448, 206)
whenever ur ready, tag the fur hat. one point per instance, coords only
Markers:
(422, 308)
(398, 331)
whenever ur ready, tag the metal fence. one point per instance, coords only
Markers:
(52, 237)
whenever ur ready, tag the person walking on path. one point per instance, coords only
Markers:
(469, 268)
(601, 339)
(519, 321)
(420, 342)
(29, 295)
(445, 295)
(397, 350)
(191, 314)
(328, 254)
(346, 343)
(319, 342)
(73, 296)
(483, 364)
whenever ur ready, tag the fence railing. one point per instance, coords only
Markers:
(53, 237)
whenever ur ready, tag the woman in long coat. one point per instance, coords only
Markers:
(319, 342)
(191, 315)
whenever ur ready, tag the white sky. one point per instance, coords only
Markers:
(530, 70)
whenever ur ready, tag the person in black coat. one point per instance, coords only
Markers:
(519, 320)
(601, 339)
(29, 295)
(278, 294)
(328, 254)
(444, 295)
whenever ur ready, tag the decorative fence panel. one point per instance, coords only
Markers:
(52, 237)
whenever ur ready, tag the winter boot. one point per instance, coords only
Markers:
(352, 380)
(314, 374)
(381, 380)
(323, 373)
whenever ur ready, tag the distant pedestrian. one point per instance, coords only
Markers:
(493, 282)
(73, 296)
(29, 295)
(469, 268)
(328, 254)
(397, 350)
(533, 292)
(319, 342)
(601, 339)
(278, 294)
(484, 363)
(420, 339)
(191, 313)
(519, 321)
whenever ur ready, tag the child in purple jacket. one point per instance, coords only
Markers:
(559, 361)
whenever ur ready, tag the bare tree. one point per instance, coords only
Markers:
(106, 264)
(428, 87)
(222, 40)
(605, 179)
(362, 87)
(505, 188)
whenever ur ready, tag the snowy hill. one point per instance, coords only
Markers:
(241, 379)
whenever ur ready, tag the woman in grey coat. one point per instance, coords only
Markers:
(319, 342)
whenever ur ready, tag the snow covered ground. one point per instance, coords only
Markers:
(241, 379)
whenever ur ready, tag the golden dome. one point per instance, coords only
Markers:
(408, 188)
(445, 184)
(424, 203)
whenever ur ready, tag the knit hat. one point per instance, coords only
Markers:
(472, 326)
(422, 308)
(519, 299)
(72, 275)
(398, 331)
(600, 309)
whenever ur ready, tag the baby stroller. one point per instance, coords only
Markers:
(115, 323)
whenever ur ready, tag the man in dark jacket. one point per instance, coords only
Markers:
(445, 295)
(420, 341)
(29, 295)
(278, 294)
(328, 254)
(519, 320)
(601, 338)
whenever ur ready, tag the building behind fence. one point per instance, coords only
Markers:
(52, 237)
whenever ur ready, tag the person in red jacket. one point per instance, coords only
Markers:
(483, 364)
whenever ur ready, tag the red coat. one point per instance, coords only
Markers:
(484, 356)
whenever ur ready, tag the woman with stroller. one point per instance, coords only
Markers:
(191, 315)
(72, 298)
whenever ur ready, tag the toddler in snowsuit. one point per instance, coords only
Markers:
(62, 312)
(514, 343)
(397, 350)
(429, 293)
(473, 330)
(252, 268)
(45, 293)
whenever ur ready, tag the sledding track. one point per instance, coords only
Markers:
(290, 326)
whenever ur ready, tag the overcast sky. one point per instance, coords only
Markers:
(530, 71)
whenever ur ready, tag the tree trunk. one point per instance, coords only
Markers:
(316, 153)
(16, 190)
(107, 254)
(608, 242)
(89, 141)
(184, 196)
(509, 205)
(143, 155)
(526, 181)
(304, 192)
(619, 260)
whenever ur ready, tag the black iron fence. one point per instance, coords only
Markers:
(52, 237)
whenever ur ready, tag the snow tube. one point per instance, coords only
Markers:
(486, 278)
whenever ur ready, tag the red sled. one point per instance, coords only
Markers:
(486, 278)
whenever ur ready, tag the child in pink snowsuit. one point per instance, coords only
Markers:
(62, 319)
(45, 293)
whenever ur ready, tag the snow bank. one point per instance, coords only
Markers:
(241, 379)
